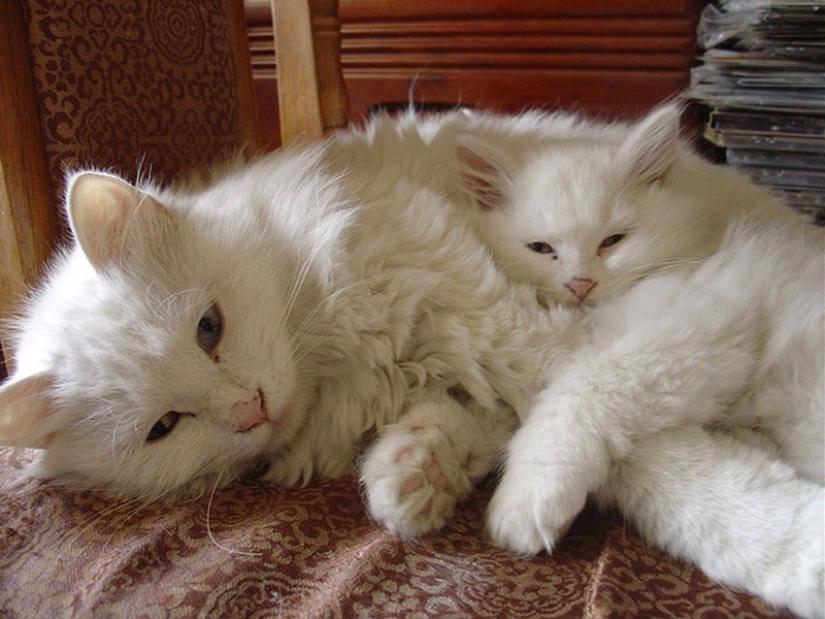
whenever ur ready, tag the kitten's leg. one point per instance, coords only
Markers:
(420, 467)
(744, 517)
(652, 362)
(548, 473)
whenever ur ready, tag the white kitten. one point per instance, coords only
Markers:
(724, 334)
(583, 214)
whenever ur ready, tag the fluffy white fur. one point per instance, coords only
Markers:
(355, 299)
(344, 299)
(696, 399)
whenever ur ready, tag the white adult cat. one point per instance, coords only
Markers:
(276, 316)
(719, 461)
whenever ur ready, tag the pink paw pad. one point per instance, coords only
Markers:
(434, 475)
(431, 474)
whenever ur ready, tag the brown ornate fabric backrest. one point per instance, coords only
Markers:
(139, 86)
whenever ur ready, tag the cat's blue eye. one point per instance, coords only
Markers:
(163, 426)
(611, 240)
(540, 247)
(210, 329)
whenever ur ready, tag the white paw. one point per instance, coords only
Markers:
(413, 479)
(527, 516)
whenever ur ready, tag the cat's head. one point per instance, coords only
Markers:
(159, 355)
(581, 216)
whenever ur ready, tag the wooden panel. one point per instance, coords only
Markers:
(248, 126)
(620, 94)
(28, 218)
(297, 78)
(610, 57)
(362, 10)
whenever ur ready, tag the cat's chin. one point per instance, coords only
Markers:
(565, 302)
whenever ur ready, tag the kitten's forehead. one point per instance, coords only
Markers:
(566, 185)
(565, 162)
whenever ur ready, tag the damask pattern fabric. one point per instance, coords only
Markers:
(254, 552)
(133, 86)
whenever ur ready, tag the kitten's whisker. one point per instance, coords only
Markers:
(645, 270)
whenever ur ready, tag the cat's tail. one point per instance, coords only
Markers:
(743, 516)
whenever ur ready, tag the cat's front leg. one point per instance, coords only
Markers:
(420, 467)
(552, 462)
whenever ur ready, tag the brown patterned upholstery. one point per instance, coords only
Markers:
(136, 87)
(312, 552)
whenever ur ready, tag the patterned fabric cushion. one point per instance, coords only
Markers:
(312, 552)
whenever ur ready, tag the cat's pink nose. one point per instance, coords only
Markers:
(580, 287)
(250, 414)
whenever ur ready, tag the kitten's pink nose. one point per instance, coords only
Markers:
(250, 414)
(580, 287)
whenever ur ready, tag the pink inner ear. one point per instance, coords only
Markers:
(99, 206)
(651, 146)
(26, 411)
(482, 176)
(104, 212)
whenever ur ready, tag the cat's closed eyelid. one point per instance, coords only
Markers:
(611, 240)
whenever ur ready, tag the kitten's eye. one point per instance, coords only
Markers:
(540, 247)
(611, 240)
(210, 329)
(163, 426)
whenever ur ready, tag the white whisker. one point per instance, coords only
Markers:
(231, 551)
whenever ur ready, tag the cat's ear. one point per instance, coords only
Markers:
(650, 148)
(106, 213)
(484, 172)
(26, 410)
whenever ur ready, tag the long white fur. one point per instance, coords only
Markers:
(723, 336)
(344, 296)
(356, 297)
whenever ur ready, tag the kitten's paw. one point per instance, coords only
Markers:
(526, 516)
(413, 479)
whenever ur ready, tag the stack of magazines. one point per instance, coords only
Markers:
(763, 77)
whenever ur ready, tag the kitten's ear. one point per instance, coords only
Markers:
(105, 212)
(26, 411)
(651, 147)
(484, 172)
